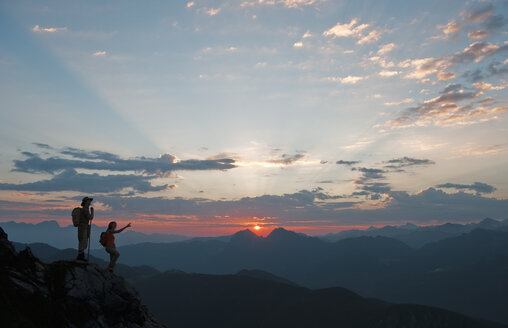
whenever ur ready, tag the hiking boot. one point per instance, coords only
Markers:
(81, 257)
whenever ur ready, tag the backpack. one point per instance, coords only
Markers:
(103, 238)
(76, 214)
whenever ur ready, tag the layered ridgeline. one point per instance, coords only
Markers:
(67, 294)
(49, 232)
(466, 273)
(64, 294)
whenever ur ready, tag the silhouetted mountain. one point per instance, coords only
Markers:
(371, 266)
(415, 236)
(259, 274)
(51, 233)
(198, 300)
(64, 294)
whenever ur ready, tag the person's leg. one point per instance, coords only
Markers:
(115, 257)
(83, 240)
(111, 252)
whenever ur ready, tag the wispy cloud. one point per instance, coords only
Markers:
(212, 11)
(99, 53)
(285, 3)
(488, 86)
(478, 34)
(386, 48)
(479, 187)
(38, 28)
(405, 161)
(397, 103)
(445, 110)
(350, 79)
(353, 30)
(349, 163)
(475, 52)
(449, 30)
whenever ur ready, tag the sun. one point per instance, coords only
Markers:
(256, 227)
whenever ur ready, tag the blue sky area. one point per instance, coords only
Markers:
(206, 117)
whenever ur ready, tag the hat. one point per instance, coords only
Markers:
(85, 200)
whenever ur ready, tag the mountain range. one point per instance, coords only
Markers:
(73, 294)
(466, 273)
(417, 236)
(51, 233)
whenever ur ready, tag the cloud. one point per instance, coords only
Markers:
(473, 149)
(104, 161)
(99, 53)
(40, 29)
(388, 73)
(70, 180)
(478, 34)
(369, 173)
(494, 69)
(386, 48)
(42, 145)
(287, 159)
(350, 79)
(372, 36)
(397, 103)
(488, 86)
(445, 110)
(298, 44)
(190, 4)
(486, 17)
(477, 15)
(400, 163)
(475, 52)
(353, 30)
(285, 3)
(212, 11)
(479, 187)
(341, 162)
(450, 29)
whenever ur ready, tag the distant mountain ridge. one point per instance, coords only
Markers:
(415, 236)
(51, 233)
(418, 236)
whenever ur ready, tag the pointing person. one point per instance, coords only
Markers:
(110, 244)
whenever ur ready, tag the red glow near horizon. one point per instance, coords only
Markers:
(193, 227)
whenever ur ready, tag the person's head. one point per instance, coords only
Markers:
(112, 225)
(86, 201)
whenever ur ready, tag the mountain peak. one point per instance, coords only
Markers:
(244, 235)
(282, 234)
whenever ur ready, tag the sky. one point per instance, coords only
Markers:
(207, 117)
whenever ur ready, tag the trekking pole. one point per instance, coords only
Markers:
(89, 234)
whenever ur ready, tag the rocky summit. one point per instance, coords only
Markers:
(64, 294)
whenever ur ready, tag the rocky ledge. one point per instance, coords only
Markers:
(64, 294)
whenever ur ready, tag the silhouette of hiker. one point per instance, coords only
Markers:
(84, 227)
(110, 244)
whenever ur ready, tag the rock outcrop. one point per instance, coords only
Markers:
(64, 294)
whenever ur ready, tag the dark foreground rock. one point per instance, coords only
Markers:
(64, 294)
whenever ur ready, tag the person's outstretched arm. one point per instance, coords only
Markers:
(120, 230)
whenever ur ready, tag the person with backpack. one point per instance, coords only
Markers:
(85, 217)
(109, 243)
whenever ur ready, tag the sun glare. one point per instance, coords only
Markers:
(256, 227)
